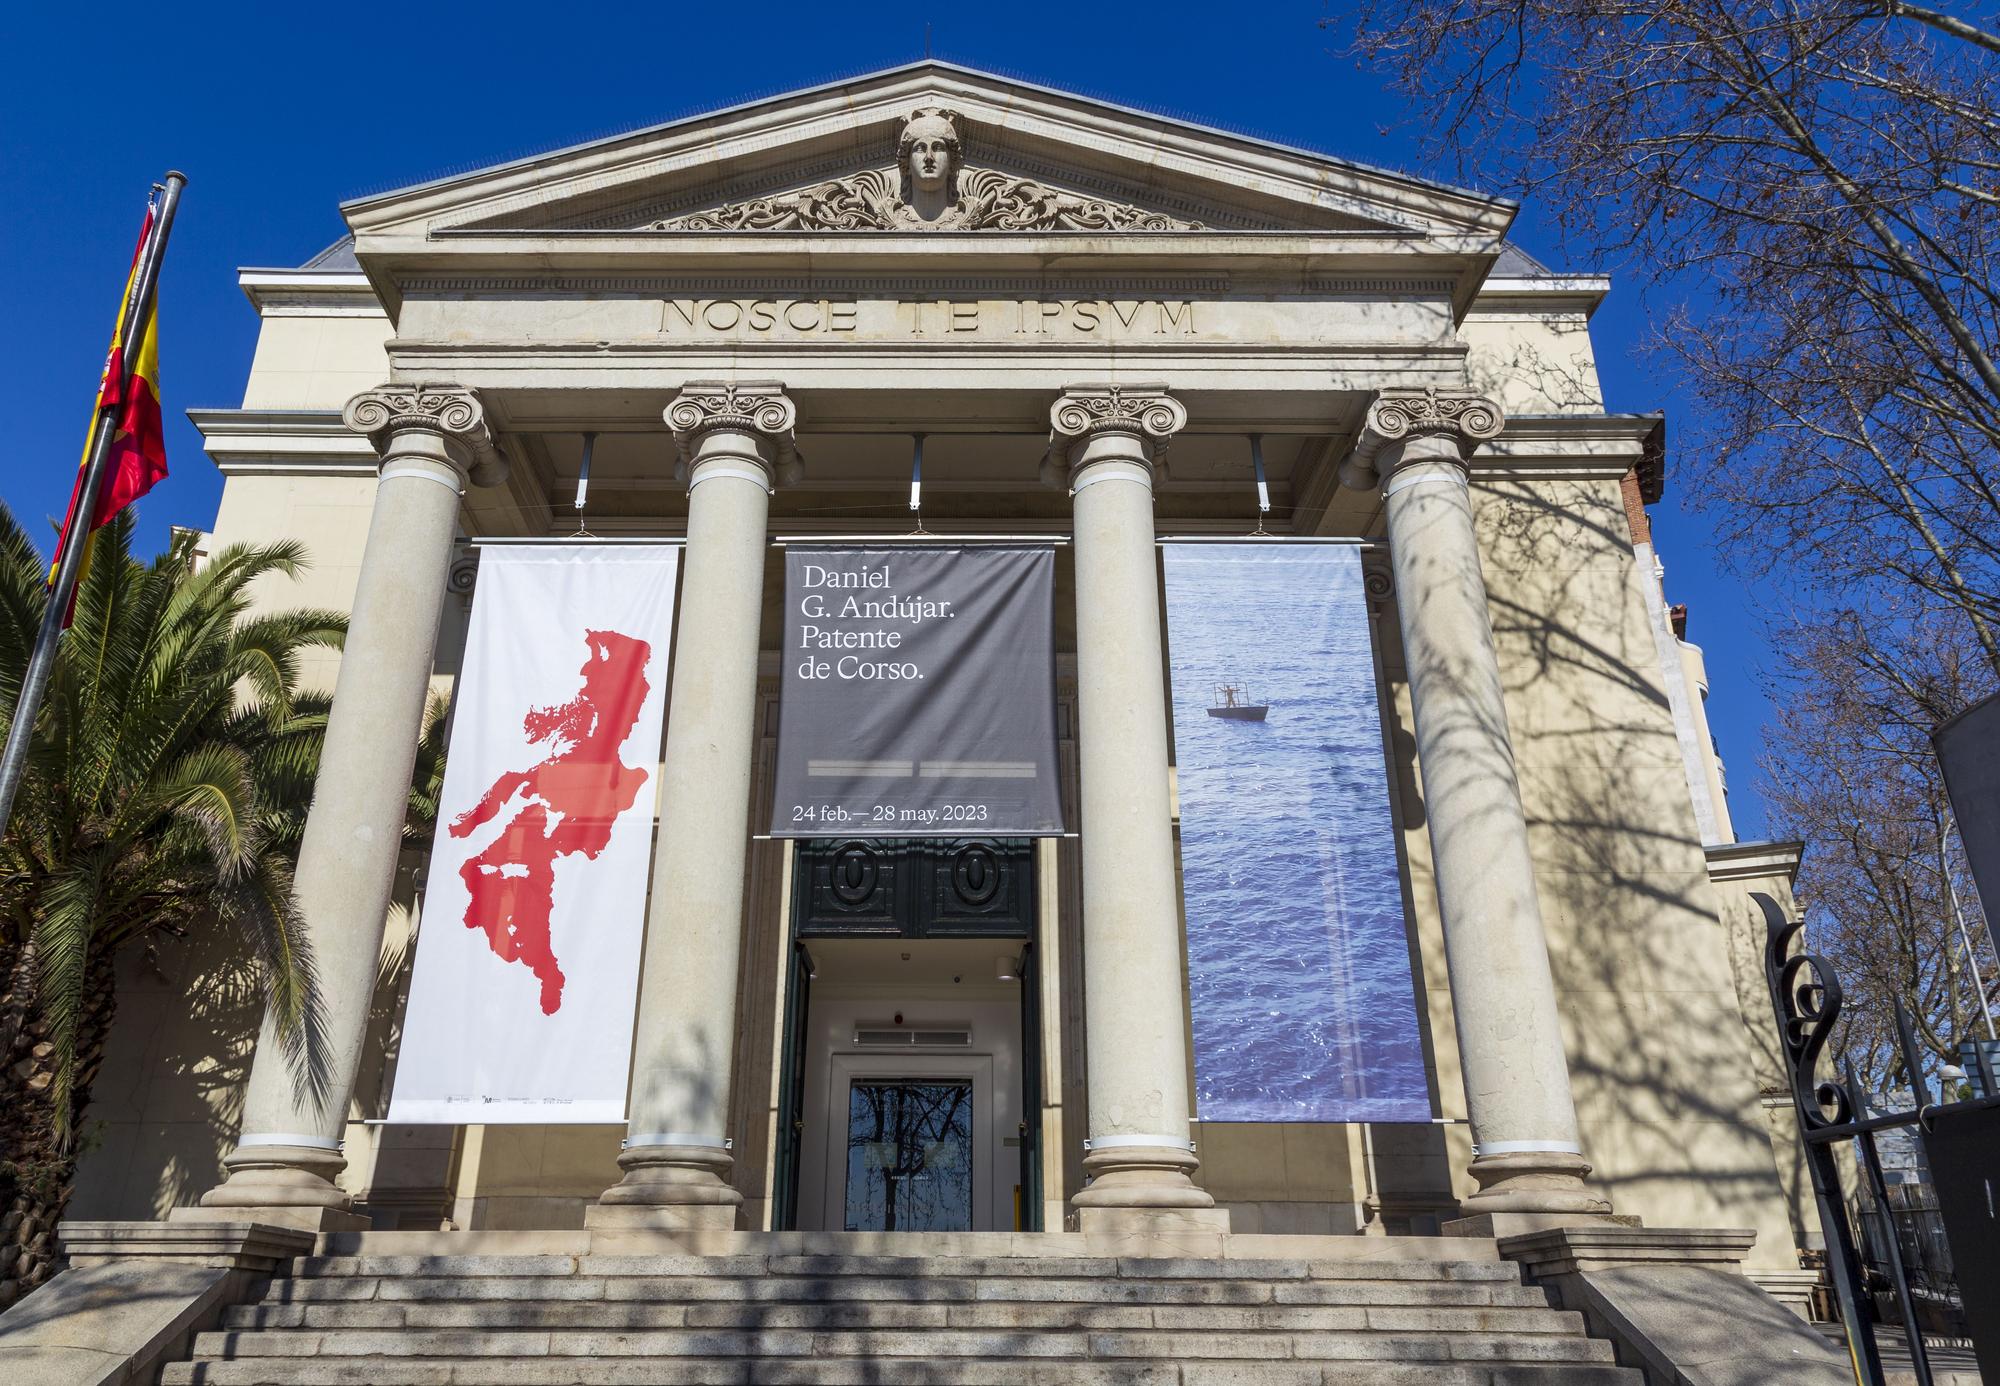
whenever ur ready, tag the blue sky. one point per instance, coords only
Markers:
(278, 112)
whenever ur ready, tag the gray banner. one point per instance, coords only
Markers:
(919, 693)
(1968, 750)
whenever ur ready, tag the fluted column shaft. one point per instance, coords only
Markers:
(432, 440)
(1528, 1155)
(1139, 1156)
(735, 441)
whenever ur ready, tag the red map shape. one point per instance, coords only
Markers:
(566, 804)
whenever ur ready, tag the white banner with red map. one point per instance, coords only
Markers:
(527, 958)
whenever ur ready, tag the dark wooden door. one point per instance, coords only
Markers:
(1031, 1092)
(792, 1092)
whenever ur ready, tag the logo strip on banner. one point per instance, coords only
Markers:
(525, 986)
(919, 693)
(1298, 953)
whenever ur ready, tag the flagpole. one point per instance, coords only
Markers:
(69, 561)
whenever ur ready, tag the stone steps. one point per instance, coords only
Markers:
(928, 1267)
(868, 1320)
(862, 1314)
(503, 1371)
(898, 1342)
(913, 1290)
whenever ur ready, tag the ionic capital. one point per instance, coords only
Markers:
(716, 416)
(1397, 418)
(451, 414)
(1145, 414)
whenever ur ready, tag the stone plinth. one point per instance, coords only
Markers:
(135, 1295)
(1676, 1303)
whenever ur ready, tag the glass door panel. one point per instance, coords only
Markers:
(909, 1156)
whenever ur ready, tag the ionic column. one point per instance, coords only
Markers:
(1139, 1156)
(433, 441)
(1529, 1160)
(734, 441)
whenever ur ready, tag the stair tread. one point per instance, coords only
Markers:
(923, 1343)
(956, 1288)
(517, 1314)
(504, 1371)
(1048, 1267)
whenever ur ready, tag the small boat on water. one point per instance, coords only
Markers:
(1233, 702)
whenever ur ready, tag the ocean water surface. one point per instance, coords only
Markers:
(1298, 953)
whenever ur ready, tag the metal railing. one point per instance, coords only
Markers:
(1806, 996)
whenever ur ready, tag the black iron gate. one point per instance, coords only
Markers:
(1806, 996)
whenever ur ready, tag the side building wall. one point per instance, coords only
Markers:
(1658, 1053)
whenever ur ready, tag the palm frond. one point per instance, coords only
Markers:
(64, 934)
(262, 906)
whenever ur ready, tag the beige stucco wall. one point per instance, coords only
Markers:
(1741, 875)
(1533, 359)
(316, 362)
(1659, 1058)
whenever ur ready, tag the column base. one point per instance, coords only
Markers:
(673, 1187)
(1142, 1177)
(1537, 1181)
(286, 1185)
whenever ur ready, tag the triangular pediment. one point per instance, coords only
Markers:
(1023, 159)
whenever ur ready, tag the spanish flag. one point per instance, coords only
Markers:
(138, 446)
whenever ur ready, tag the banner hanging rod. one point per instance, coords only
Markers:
(532, 541)
(927, 539)
(919, 540)
(1286, 540)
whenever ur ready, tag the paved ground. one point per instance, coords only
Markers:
(1952, 1362)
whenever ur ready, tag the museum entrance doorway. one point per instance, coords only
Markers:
(909, 1080)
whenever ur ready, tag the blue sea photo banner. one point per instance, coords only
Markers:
(1298, 956)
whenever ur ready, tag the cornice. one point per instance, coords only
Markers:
(1600, 446)
(1553, 293)
(309, 293)
(1747, 861)
(289, 442)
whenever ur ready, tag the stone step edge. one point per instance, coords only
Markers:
(818, 1267)
(788, 1345)
(1213, 1371)
(1524, 1318)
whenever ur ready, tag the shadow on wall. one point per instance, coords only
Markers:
(1659, 1060)
(168, 1101)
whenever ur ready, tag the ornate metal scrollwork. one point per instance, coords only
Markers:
(464, 574)
(1806, 994)
(854, 873)
(975, 875)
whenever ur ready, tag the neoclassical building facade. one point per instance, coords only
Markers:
(725, 333)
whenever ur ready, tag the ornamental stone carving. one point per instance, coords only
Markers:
(756, 406)
(1398, 416)
(1083, 411)
(452, 412)
(930, 189)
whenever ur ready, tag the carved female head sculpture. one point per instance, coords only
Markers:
(928, 153)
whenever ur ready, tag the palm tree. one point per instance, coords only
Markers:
(168, 782)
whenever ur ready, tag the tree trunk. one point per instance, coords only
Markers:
(37, 1171)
